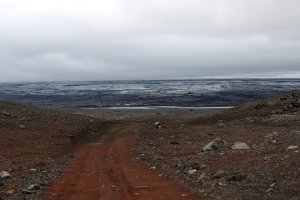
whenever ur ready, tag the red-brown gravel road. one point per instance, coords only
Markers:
(104, 170)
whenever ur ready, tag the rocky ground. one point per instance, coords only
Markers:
(35, 145)
(249, 152)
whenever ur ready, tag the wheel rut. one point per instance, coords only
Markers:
(103, 169)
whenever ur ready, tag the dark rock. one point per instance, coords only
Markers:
(26, 192)
(5, 113)
(156, 158)
(203, 166)
(259, 106)
(174, 142)
(196, 166)
(44, 184)
(294, 95)
(237, 178)
(296, 103)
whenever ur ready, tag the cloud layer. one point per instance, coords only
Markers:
(133, 39)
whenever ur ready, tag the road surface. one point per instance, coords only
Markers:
(103, 169)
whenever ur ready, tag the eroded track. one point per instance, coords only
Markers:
(104, 170)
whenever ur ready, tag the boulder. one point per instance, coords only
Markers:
(214, 145)
(240, 146)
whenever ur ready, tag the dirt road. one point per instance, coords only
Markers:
(103, 169)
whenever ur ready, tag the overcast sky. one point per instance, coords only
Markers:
(42, 40)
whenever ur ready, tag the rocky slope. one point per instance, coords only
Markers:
(248, 152)
(35, 144)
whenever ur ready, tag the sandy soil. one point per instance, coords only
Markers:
(128, 155)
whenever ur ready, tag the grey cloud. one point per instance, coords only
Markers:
(131, 39)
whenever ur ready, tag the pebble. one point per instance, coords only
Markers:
(219, 174)
(157, 124)
(273, 184)
(269, 190)
(272, 135)
(141, 187)
(22, 126)
(5, 113)
(152, 168)
(34, 187)
(203, 166)
(292, 147)
(267, 158)
(5, 175)
(192, 171)
(240, 146)
(220, 124)
(10, 192)
(196, 166)
(295, 132)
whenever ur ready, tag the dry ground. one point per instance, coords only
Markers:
(37, 143)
